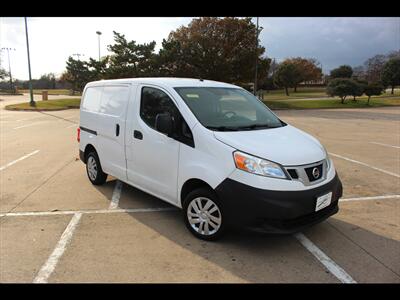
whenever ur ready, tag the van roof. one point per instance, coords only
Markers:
(166, 81)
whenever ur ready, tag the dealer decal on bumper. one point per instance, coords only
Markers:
(323, 201)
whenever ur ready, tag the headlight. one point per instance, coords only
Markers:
(328, 160)
(257, 165)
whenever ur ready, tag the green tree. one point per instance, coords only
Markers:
(3, 74)
(391, 73)
(99, 69)
(214, 48)
(286, 76)
(46, 81)
(344, 71)
(78, 74)
(373, 89)
(373, 67)
(308, 69)
(358, 88)
(341, 87)
(130, 59)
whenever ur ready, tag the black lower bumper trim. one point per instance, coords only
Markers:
(276, 211)
(82, 156)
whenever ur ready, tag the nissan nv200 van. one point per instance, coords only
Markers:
(210, 148)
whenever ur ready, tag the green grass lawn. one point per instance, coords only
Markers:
(332, 103)
(47, 105)
(303, 92)
(311, 92)
(361, 102)
(50, 91)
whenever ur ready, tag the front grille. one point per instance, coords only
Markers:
(314, 173)
(304, 173)
(293, 173)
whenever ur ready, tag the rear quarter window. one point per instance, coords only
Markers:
(114, 100)
(92, 99)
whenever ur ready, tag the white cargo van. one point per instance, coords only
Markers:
(210, 148)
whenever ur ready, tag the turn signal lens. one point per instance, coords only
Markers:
(257, 165)
(245, 162)
(78, 137)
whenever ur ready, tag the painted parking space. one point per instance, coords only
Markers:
(155, 247)
(26, 243)
(69, 189)
(141, 242)
(362, 181)
(333, 238)
(355, 137)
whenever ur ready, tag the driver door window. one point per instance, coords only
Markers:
(153, 102)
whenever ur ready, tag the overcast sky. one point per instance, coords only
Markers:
(333, 41)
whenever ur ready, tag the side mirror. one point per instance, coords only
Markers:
(164, 123)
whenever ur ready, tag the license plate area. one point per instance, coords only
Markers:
(323, 201)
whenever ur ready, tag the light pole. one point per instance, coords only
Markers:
(78, 55)
(256, 64)
(99, 33)
(31, 102)
(9, 65)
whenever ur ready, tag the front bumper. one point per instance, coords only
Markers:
(276, 211)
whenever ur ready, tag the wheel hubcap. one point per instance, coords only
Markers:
(204, 216)
(92, 168)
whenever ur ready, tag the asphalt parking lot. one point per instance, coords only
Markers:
(56, 227)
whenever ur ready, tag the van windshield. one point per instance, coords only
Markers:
(228, 109)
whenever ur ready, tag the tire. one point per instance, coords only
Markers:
(207, 218)
(93, 169)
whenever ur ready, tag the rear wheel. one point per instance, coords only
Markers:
(203, 214)
(93, 169)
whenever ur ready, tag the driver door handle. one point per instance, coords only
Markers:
(137, 135)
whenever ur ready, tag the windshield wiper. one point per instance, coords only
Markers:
(222, 128)
(254, 126)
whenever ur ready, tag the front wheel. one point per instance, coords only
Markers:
(93, 169)
(203, 214)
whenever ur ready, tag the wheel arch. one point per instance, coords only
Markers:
(89, 148)
(190, 185)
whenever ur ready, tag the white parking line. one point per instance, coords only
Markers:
(332, 267)
(116, 195)
(20, 120)
(371, 198)
(364, 164)
(58, 251)
(66, 118)
(73, 125)
(17, 160)
(28, 125)
(89, 211)
(137, 210)
(387, 145)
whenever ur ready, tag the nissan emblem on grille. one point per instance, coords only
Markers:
(315, 173)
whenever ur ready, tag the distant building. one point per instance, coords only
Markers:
(321, 81)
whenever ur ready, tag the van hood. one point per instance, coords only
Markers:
(285, 145)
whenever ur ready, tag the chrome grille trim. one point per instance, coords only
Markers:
(303, 178)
